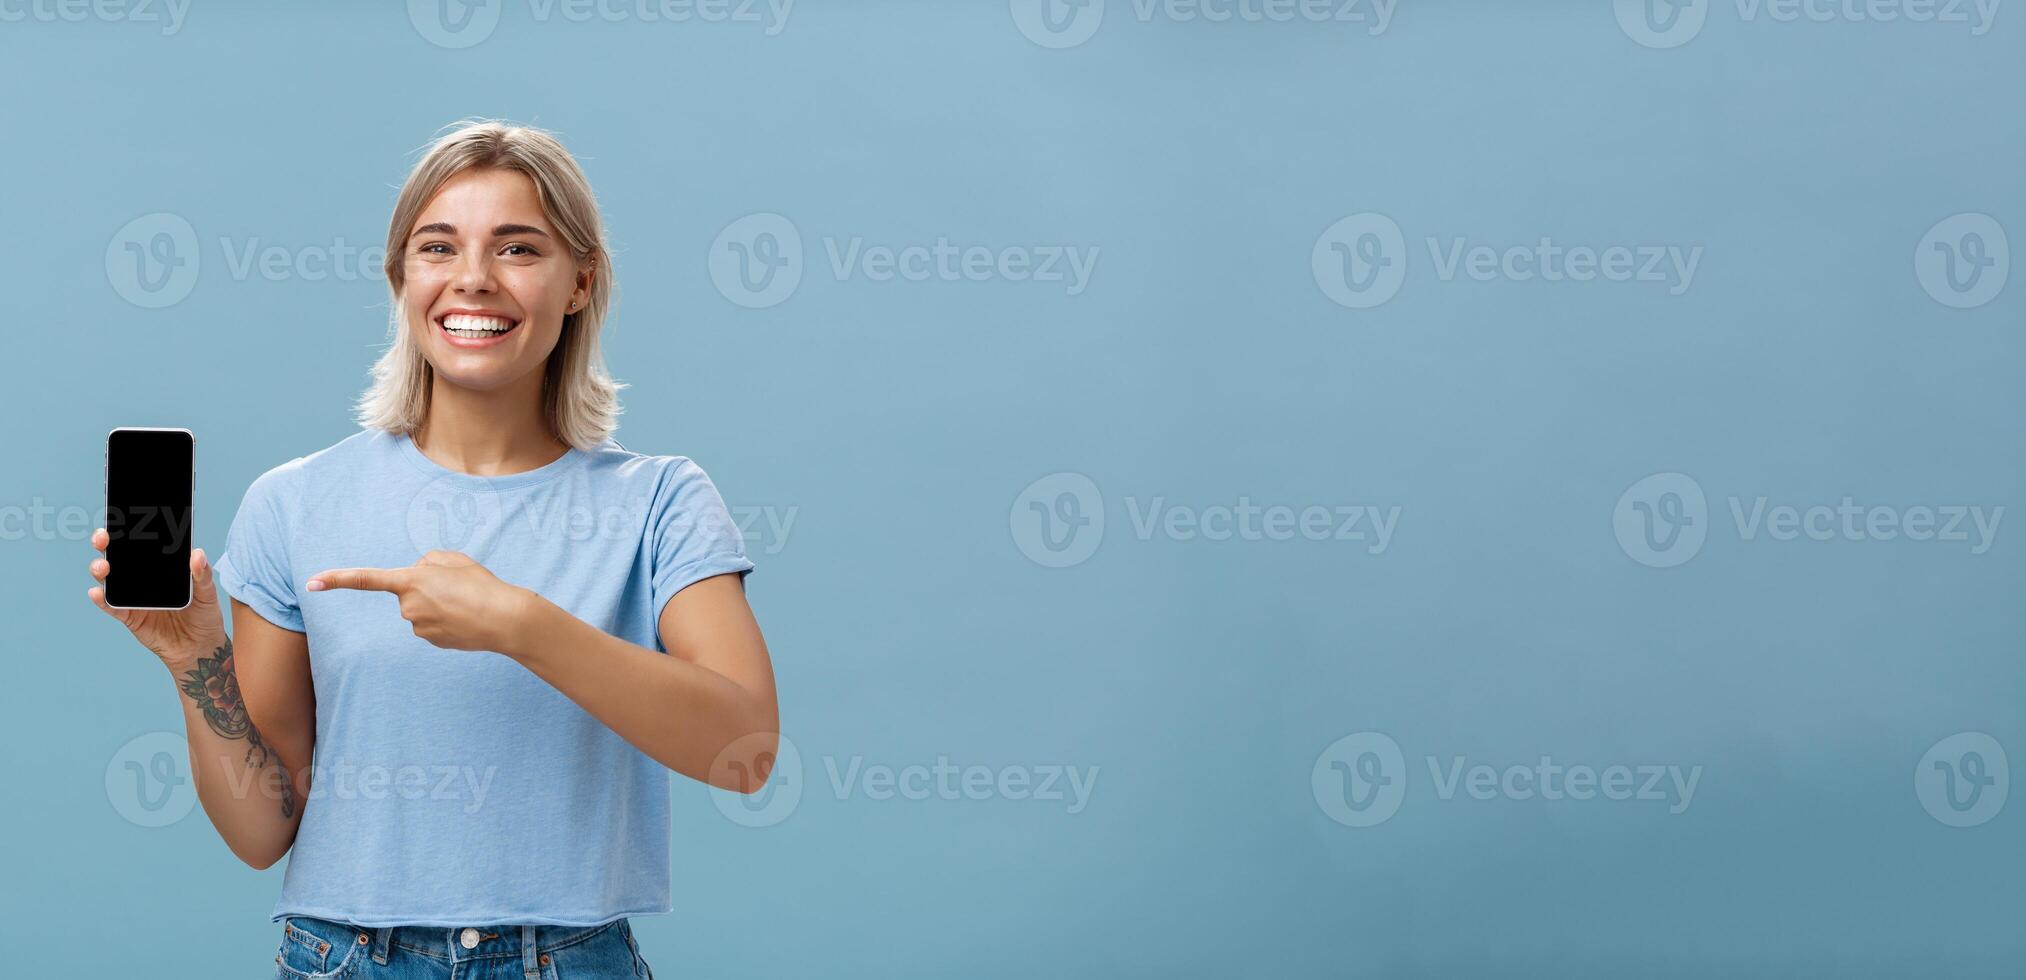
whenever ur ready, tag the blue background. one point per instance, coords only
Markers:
(901, 422)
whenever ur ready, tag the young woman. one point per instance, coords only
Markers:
(496, 628)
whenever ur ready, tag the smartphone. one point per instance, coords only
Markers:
(149, 476)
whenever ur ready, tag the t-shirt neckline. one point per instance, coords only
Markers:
(437, 472)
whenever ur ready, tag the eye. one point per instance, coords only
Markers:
(433, 248)
(523, 249)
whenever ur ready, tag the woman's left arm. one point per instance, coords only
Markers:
(706, 710)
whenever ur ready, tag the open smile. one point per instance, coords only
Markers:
(475, 329)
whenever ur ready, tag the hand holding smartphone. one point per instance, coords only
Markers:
(149, 475)
(154, 581)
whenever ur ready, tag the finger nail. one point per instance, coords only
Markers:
(316, 585)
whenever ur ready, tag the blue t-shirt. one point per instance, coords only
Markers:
(450, 787)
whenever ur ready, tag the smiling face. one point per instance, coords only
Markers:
(488, 280)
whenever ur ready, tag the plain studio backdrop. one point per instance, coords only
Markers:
(1340, 489)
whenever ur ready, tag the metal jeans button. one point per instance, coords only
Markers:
(468, 938)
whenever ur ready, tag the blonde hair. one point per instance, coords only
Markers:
(579, 398)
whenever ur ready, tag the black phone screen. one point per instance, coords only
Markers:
(148, 475)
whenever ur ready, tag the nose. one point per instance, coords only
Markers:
(473, 273)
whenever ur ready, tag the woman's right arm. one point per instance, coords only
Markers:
(251, 767)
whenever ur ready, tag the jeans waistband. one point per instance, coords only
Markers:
(529, 943)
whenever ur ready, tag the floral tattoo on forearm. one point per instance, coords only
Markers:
(214, 687)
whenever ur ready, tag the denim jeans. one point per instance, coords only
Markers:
(319, 949)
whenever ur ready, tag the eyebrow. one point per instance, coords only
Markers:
(445, 228)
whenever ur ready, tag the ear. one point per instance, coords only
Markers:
(587, 273)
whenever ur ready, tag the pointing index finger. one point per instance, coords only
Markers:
(377, 579)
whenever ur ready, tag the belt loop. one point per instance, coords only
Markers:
(382, 938)
(529, 964)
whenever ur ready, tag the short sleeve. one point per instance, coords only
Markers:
(255, 568)
(694, 536)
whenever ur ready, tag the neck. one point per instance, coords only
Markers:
(488, 433)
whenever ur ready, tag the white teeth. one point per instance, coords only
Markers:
(469, 327)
